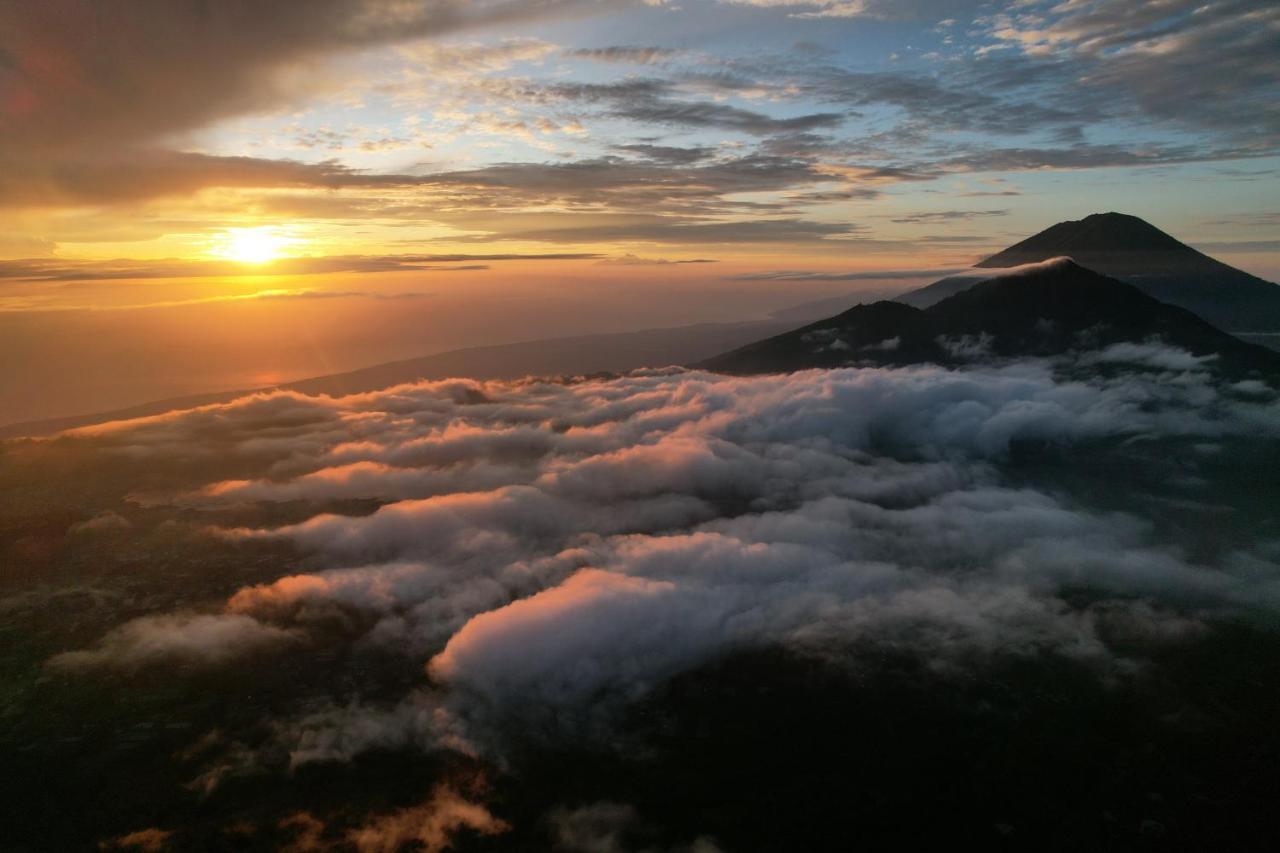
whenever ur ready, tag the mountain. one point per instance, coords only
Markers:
(1043, 309)
(1135, 251)
(551, 357)
(932, 294)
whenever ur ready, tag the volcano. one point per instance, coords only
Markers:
(1039, 310)
(1135, 251)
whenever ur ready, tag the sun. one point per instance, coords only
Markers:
(253, 245)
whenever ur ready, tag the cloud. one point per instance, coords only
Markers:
(653, 101)
(1209, 66)
(928, 104)
(812, 8)
(1084, 156)
(1151, 354)
(431, 825)
(94, 98)
(606, 827)
(553, 551)
(630, 260)
(862, 275)
(150, 840)
(471, 566)
(672, 230)
(204, 639)
(630, 55)
(81, 78)
(103, 522)
(1229, 246)
(26, 247)
(100, 126)
(668, 154)
(878, 9)
(935, 216)
(61, 270)
(112, 176)
(595, 828)
(547, 634)
(1268, 219)
(617, 187)
(832, 196)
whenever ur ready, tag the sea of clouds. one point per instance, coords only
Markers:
(544, 552)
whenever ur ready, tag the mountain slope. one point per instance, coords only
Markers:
(1043, 310)
(932, 294)
(1135, 251)
(552, 357)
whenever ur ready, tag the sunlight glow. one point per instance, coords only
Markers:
(253, 245)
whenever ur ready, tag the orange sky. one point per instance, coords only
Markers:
(238, 191)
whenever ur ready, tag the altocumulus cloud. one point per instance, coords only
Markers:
(543, 553)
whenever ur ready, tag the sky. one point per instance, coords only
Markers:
(195, 169)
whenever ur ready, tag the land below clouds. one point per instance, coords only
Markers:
(667, 610)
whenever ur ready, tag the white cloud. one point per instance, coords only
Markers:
(546, 551)
(206, 639)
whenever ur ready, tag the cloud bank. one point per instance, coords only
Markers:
(543, 552)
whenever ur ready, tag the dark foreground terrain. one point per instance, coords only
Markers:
(891, 608)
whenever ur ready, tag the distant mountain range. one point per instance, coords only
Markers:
(1043, 309)
(1135, 251)
(552, 357)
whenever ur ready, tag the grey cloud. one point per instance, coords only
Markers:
(668, 154)
(626, 54)
(143, 71)
(1227, 246)
(675, 230)
(862, 275)
(894, 10)
(1269, 219)
(830, 196)
(931, 217)
(1083, 156)
(801, 144)
(1209, 66)
(140, 173)
(208, 639)
(606, 827)
(702, 114)
(596, 828)
(626, 187)
(941, 107)
(928, 104)
(990, 194)
(653, 101)
(93, 126)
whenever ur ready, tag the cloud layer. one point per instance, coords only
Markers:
(449, 115)
(544, 552)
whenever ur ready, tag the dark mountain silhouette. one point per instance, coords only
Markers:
(1048, 309)
(932, 294)
(1135, 251)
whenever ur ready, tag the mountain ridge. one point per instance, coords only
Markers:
(1133, 250)
(1047, 310)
